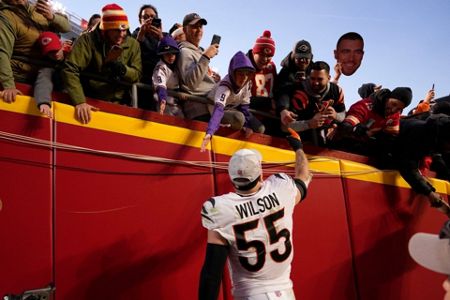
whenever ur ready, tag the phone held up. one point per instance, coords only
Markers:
(114, 53)
(156, 22)
(215, 39)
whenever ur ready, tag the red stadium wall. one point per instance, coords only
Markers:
(105, 226)
(26, 205)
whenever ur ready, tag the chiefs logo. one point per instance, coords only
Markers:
(267, 51)
(240, 173)
(123, 26)
(45, 41)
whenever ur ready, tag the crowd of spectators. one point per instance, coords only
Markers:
(107, 59)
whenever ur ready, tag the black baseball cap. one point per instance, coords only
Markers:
(302, 49)
(193, 18)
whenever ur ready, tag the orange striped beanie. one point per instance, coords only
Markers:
(113, 17)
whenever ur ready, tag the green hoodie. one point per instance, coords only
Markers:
(88, 55)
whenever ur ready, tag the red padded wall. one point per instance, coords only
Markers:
(127, 229)
(25, 205)
(382, 219)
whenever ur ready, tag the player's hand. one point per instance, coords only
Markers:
(162, 107)
(46, 110)
(439, 203)
(294, 140)
(205, 142)
(9, 94)
(83, 112)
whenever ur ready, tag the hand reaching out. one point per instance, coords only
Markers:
(248, 132)
(162, 107)
(205, 142)
(46, 110)
(287, 116)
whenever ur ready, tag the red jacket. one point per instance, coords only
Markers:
(362, 111)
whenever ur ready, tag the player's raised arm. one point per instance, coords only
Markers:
(302, 175)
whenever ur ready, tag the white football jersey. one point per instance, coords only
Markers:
(258, 229)
(229, 99)
(164, 77)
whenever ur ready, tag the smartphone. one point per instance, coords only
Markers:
(39, 9)
(215, 39)
(116, 49)
(156, 22)
(114, 53)
(432, 87)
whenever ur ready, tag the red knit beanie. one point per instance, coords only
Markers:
(113, 17)
(265, 44)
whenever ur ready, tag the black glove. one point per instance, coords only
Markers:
(346, 128)
(294, 140)
(116, 69)
(360, 130)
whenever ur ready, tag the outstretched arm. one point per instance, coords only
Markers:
(302, 175)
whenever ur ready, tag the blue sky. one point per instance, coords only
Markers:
(407, 43)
